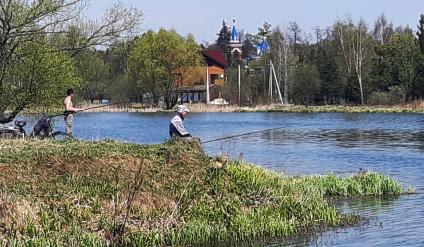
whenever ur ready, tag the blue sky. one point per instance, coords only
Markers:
(203, 18)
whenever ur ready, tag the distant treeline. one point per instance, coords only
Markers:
(348, 62)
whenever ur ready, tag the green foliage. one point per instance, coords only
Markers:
(160, 60)
(348, 68)
(397, 65)
(38, 39)
(249, 45)
(420, 33)
(251, 92)
(94, 72)
(350, 61)
(323, 56)
(38, 76)
(306, 83)
(393, 96)
(364, 184)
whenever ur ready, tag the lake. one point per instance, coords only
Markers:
(319, 143)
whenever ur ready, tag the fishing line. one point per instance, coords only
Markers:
(244, 134)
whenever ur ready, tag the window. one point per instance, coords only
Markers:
(214, 77)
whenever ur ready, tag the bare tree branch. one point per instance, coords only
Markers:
(49, 23)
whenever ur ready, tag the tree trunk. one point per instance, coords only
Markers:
(361, 89)
(286, 83)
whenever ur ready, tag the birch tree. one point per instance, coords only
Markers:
(282, 50)
(344, 31)
(363, 51)
(383, 30)
(357, 50)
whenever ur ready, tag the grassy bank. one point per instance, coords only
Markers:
(95, 194)
(410, 108)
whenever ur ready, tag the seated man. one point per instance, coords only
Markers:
(176, 127)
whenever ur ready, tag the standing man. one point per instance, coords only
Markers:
(69, 111)
(176, 127)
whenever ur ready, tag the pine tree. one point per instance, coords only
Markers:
(419, 85)
(223, 40)
(420, 33)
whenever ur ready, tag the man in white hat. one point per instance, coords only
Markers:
(176, 127)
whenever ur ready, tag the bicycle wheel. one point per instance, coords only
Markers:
(8, 134)
(58, 135)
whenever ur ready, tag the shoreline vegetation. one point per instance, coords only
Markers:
(78, 193)
(415, 107)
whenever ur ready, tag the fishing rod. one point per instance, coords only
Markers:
(105, 105)
(90, 108)
(244, 134)
(100, 106)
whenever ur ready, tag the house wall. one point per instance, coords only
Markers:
(197, 76)
(199, 96)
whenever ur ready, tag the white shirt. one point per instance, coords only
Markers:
(177, 121)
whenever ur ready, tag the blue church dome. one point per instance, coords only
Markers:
(234, 33)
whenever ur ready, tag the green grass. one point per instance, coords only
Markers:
(98, 193)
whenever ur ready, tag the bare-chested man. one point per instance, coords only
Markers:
(69, 111)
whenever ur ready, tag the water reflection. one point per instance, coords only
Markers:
(392, 223)
(352, 117)
(369, 205)
(346, 138)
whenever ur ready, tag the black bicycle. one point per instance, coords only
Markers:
(42, 129)
(13, 132)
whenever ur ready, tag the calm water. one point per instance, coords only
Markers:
(392, 144)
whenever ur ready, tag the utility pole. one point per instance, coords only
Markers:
(239, 84)
(277, 83)
(207, 84)
(270, 83)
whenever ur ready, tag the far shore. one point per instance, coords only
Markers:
(415, 107)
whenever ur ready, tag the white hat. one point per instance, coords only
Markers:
(183, 108)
